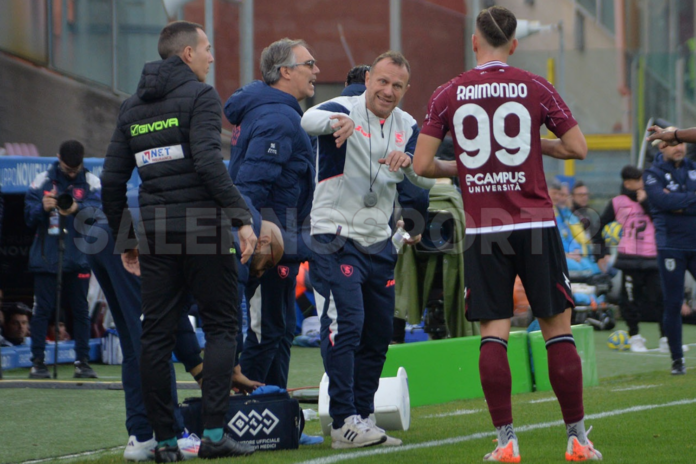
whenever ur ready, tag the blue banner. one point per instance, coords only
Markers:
(18, 172)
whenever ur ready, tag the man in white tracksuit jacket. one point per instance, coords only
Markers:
(363, 156)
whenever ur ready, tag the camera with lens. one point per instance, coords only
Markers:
(438, 236)
(65, 201)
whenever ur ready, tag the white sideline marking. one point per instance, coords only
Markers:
(543, 400)
(459, 412)
(455, 440)
(637, 387)
(78, 455)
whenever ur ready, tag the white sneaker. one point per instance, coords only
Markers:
(356, 434)
(507, 453)
(391, 441)
(664, 346)
(140, 451)
(189, 445)
(637, 344)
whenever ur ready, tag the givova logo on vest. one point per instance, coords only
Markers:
(158, 155)
(253, 422)
(140, 129)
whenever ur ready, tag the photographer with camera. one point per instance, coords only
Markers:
(53, 199)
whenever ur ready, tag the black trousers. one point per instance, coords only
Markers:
(166, 281)
(641, 294)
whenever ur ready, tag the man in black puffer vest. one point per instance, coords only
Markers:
(170, 131)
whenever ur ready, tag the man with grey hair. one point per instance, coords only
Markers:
(272, 164)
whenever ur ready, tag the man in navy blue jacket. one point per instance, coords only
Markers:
(355, 81)
(671, 187)
(272, 164)
(65, 176)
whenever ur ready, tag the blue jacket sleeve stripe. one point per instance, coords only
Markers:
(332, 160)
(333, 107)
(411, 144)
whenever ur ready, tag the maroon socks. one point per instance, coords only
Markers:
(565, 373)
(496, 379)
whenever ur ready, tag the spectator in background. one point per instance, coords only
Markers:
(3, 342)
(576, 243)
(564, 197)
(16, 326)
(66, 176)
(637, 256)
(272, 164)
(670, 184)
(63, 335)
(580, 206)
(355, 81)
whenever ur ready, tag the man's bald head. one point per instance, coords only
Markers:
(269, 249)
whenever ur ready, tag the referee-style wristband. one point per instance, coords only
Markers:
(676, 139)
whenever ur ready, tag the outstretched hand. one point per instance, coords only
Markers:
(131, 261)
(247, 242)
(396, 160)
(242, 383)
(661, 135)
(343, 128)
(409, 241)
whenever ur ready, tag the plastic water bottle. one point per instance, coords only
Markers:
(310, 414)
(53, 222)
(399, 238)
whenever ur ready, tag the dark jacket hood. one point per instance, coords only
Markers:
(161, 77)
(253, 95)
(353, 90)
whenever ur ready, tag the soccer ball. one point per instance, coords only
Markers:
(612, 233)
(618, 341)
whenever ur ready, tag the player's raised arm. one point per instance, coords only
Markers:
(424, 162)
(571, 145)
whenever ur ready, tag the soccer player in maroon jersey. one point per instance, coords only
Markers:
(495, 113)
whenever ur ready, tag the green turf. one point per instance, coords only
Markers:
(36, 424)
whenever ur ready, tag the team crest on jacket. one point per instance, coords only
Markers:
(283, 271)
(692, 175)
(79, 194)
(400, 139)
(347, 270)
(670, 264)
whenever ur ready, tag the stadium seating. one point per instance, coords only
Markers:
(21, 149)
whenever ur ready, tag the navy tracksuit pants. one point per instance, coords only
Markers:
(73, 295)
(357, 283)
(673, 265)
(271, 309)
(122, 292)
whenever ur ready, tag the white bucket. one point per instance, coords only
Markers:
(392, 403)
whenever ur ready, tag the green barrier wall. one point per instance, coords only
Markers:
(446, 370)
(584, 340)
